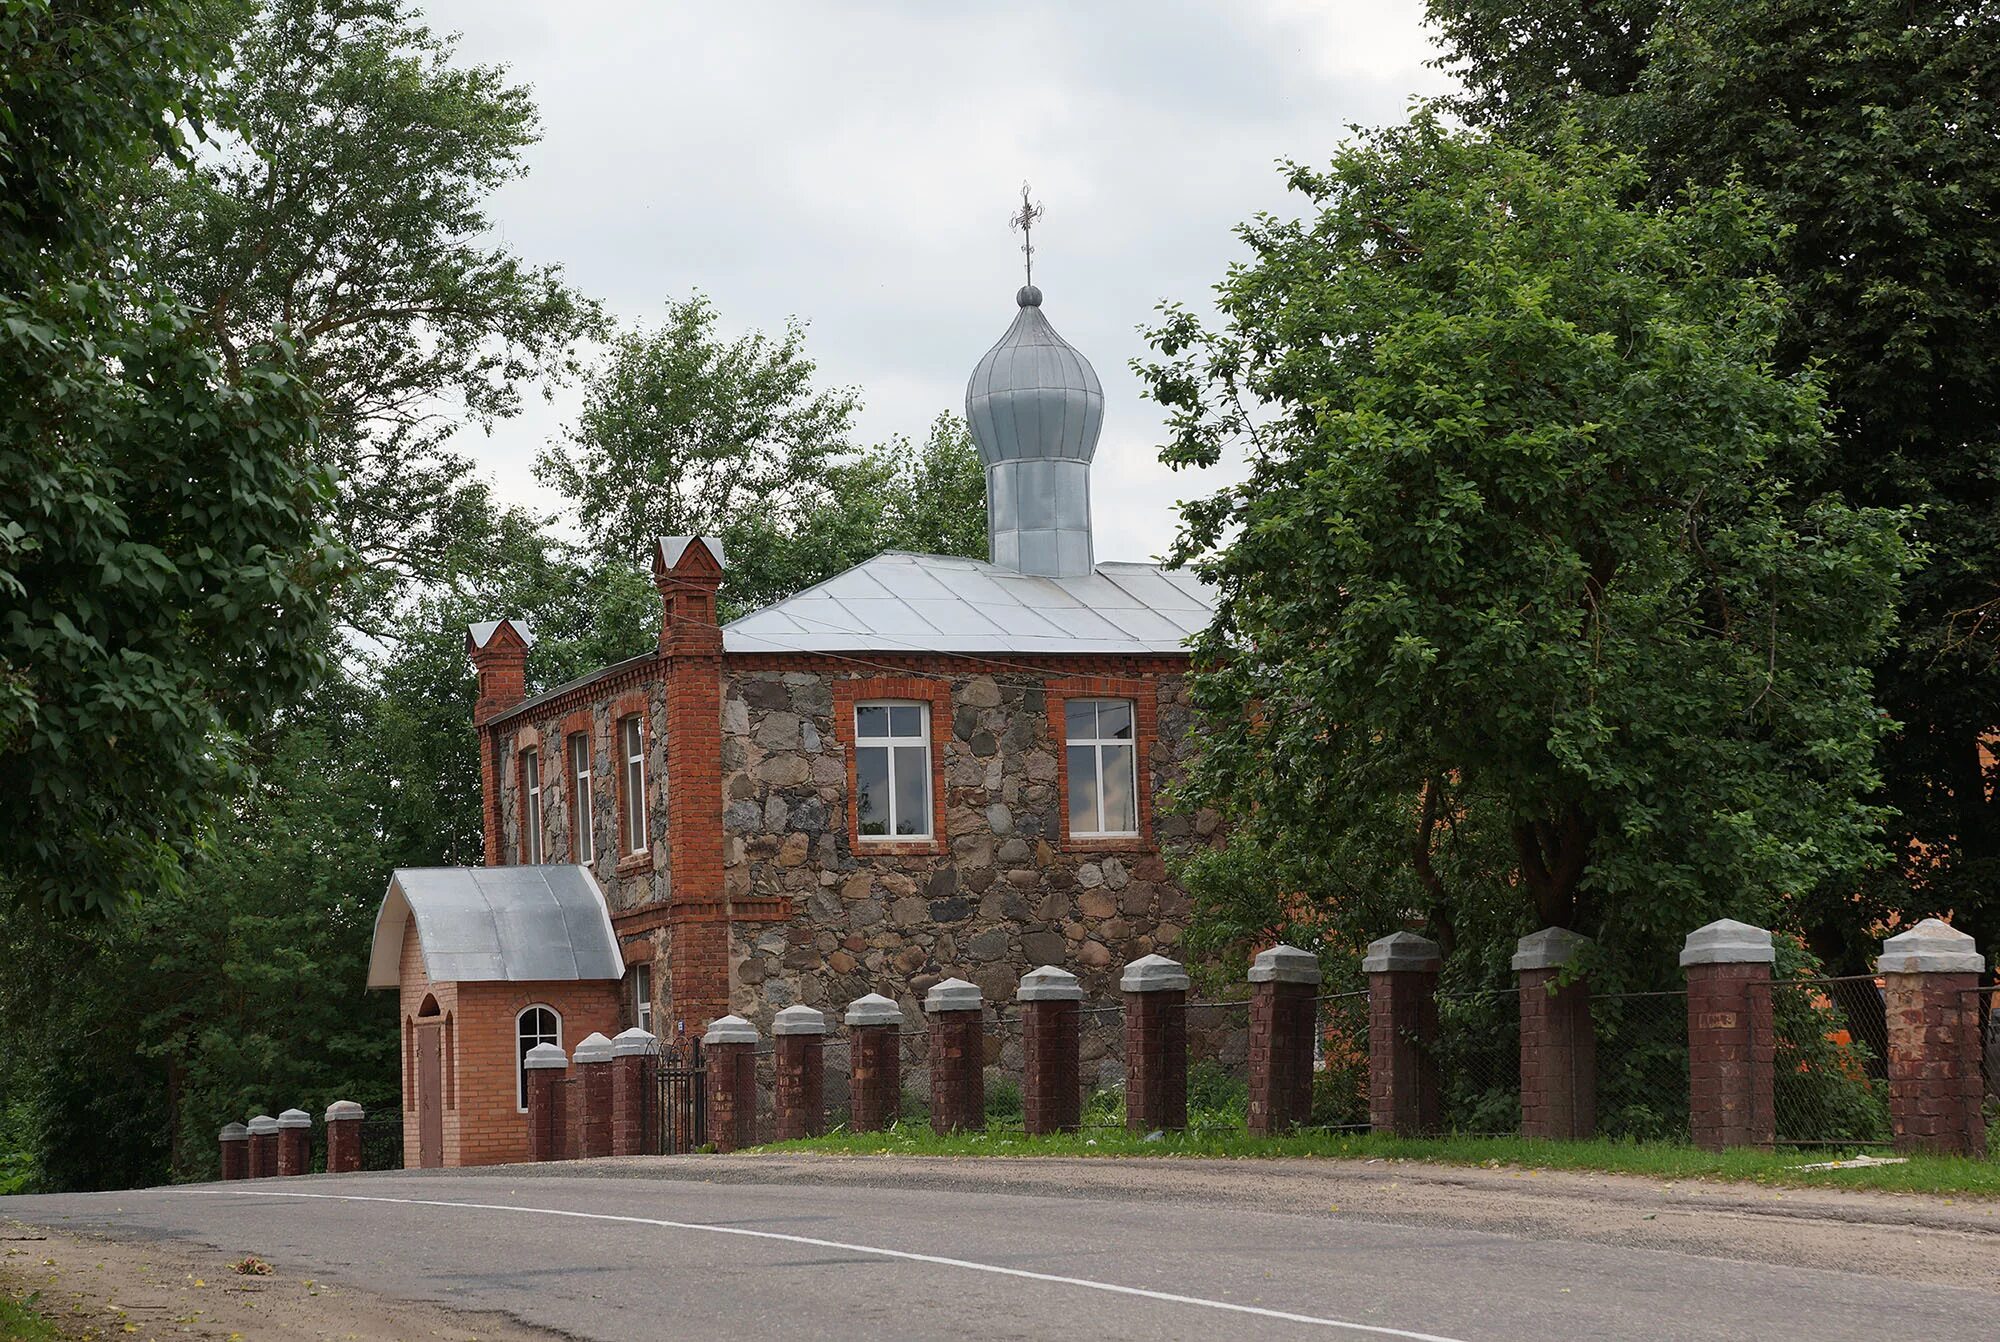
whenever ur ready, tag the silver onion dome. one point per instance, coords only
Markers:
(1035, 407)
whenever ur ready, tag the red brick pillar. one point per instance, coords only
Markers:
(635, 1116)
(1283, 1017)
(1935, 1087)
(547, 1067)
(1155, 991)
(957, 1012)
(263, 1147)
(875, 1062)
(1051, 1050)
(235, 1140)
(593, 1083)
(730, 1047)
(1403, 1094)
(1558, 1039)
(1732, 1048)
(343, 1137)
(499, 653)
(294, 1142)
(799, 1094)
(687, 571)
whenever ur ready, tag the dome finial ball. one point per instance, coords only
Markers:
(1029, 296)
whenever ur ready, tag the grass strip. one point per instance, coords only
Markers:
(1654, 1160)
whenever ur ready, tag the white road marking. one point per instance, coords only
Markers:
(936, 1260)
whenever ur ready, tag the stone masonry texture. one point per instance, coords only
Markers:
(1732, 1052)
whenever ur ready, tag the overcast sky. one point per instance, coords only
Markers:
(855, 165)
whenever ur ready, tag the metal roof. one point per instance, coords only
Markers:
(479, 924)
(900, 602)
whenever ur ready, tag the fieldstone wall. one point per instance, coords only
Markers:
(1003, 895)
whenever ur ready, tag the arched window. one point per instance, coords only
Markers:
(535, 1025)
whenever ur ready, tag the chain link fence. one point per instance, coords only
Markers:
(1642, 1064)
(1830, 1077)
(1479, 1061)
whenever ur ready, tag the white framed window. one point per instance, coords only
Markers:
(582, 815)
(535, 1025)
(1103, 764)
(642, 997)
(632, 745)
(892, 770)
(534, 821)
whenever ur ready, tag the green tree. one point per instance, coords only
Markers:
(1518, 548)
(349, 210)
(1870, 129)
(163, 574)
(686, 432)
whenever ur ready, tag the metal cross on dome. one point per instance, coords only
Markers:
(1024, 223)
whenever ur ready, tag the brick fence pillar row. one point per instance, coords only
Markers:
(343, 1137)
(235, 1140)
(594, 1057)
(799, 1096)
(1935, 1087)
(875, 1062)
(263, 1146)
(1403, 1094)
(1558, 1039)
(1283, 1018)
(957, 1012)
(1051, 1050)
(294, 1142)
(730, 1049)
(1732, 1048)
(547, 1066)
(1155, 991)
(635, 1129)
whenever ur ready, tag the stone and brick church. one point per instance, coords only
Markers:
(922, 767)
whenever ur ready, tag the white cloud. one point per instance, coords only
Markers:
(855, 164)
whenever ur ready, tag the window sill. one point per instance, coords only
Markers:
(633, 863)
(866, 847)
(1107, 843)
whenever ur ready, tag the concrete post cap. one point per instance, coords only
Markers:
(627, 1043)
(730, 1030)
(235, 1132)
(799, 1019)
(263, 1125)
(1550, 948)
(1049, 984)
(1285, 964)
(1728, 942)
(1153, 974)
(545, 1056)
(954, 995)
(1931, 947)
(594, 1047)
(295, 1118)
(874, 1009)
(341, 1111)
(1401, 952)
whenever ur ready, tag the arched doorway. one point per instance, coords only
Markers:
(429, 1040)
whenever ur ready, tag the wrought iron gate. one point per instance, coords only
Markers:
(678, 1117)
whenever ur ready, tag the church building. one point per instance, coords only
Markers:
(923, 767)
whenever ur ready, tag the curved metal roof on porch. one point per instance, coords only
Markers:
(511, 924)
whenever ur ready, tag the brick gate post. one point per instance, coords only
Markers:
(547, 1066)
(800, 1093)
(875, 1061)
(1283, 1019)
(1558, 1039)
(235, 1140)
(593, 1079)
(294, 1141)
(1155, 991)
(1935, 1085)
(957, 1012)
(1732, 1048)
(1403, 1095)
(343, 1137)
(1051, 1050)
(635, 1128)
(263, 1146)
(730, 1048)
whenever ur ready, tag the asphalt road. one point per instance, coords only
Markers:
(657, 1250)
